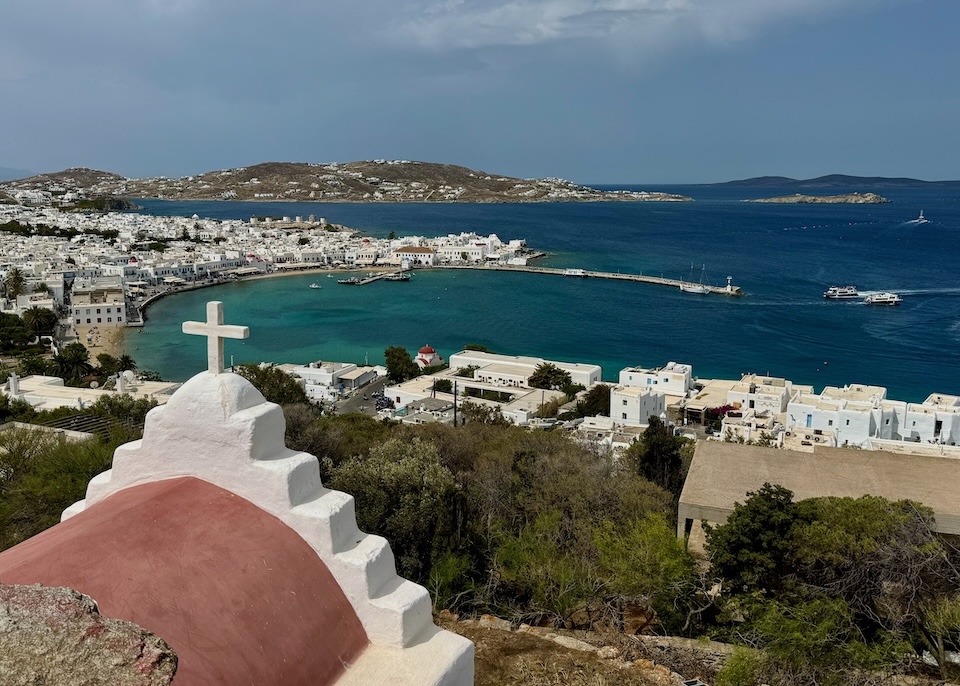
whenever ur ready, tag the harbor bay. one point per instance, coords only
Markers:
(783, 257)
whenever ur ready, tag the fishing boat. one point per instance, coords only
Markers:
(397, 276)
(695, 288)
(883, 299)
(315, 285)
(352, 281)
(841, 293)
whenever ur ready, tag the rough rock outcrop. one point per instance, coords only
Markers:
(850, 198)
(57, 636)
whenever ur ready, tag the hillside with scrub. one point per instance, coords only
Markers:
(576, 546)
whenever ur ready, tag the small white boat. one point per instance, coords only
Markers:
(315, 285)
(921, 219)
(841, 293)
(883, 299)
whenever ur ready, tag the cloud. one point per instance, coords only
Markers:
(483, 24)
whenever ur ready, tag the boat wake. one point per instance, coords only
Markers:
(916, 291)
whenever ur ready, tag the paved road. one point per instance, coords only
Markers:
(358, 404)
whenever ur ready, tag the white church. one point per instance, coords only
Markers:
(210, 533)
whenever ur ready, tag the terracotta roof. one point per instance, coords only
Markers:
(239, 595)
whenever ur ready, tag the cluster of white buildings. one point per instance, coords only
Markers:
(163, 252)
(779, 412)
(755, 409)
(108, 274)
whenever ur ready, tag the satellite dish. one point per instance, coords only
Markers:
(94, 384)
(129, 376)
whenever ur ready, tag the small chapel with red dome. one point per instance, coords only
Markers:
(428, 357)
(213, 535)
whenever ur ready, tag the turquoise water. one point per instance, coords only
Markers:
(783, 256)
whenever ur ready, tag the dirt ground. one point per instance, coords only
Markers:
(505, 658)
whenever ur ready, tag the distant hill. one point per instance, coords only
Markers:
(8, 174)
(838, 181)
(367, 181)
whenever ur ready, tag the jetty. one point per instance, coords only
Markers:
(729, 289)
(370, 278)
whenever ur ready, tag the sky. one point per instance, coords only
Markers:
(595, 91)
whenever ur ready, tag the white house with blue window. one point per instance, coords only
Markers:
(673, 379)
(857, 414)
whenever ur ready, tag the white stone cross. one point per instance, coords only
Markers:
(215, 331)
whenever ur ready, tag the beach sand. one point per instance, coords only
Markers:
(102, 339)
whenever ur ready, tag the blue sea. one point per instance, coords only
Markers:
(782, 256)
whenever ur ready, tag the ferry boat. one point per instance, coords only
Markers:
(883, 299)
(841, 292)
(314, 285)
(574, 272)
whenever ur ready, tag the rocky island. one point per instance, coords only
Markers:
(370, 181)
(850, 198)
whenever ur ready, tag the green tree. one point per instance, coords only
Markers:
(126, 363)
(477, 347)
(405, 494)
(123, 407)
(41, 288)
(108, 364)
(752, 550)
(596, 402)
(72, 363)
(15, 284)
(549, 376)
(643, 560)
(39, 320)
(41, 477)
(275, 384)
(540, 567)
(399, 365)
(883, 558)
(481, 414)
(13, 333)
(940, 631)
(814, 642)
(32, 364)
(657, 456)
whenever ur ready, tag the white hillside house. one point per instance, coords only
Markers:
(633, 406)
(673, 379)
